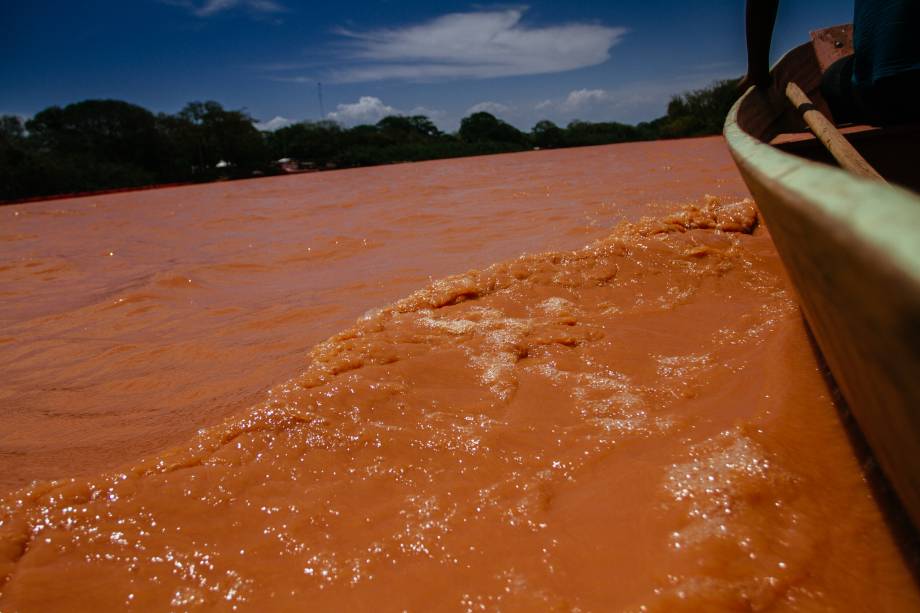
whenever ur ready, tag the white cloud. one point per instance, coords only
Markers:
(630, 103)
(368, 109)
(275, 123)
(495, 108)
(213, 6)
(581, 98)
(479, 44)
(208, 8)
(578, 99)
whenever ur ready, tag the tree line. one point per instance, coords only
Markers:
(109, 144)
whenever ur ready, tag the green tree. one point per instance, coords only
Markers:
(582, 133)
(179, 141)
(109, 132)
(699, 112)
(484, 127)
(319, 142)
(16, 164)
(12, 129)
(546, 135)
(416, 128)
(217, 134)
(94, 144)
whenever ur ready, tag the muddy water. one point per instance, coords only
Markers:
(129, 321)
(639, 424)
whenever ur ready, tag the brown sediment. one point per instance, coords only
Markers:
(640, 424)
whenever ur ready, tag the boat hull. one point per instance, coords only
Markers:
(852, 249)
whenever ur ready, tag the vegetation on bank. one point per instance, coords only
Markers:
(110, 144)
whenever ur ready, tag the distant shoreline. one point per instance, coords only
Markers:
(141, 188)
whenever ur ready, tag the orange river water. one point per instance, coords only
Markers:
(351, 391)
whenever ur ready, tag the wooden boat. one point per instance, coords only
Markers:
(851, 246)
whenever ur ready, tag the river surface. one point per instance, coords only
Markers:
(572, 380)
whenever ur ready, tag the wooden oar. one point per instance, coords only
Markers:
(827, 133)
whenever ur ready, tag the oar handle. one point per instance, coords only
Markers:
(830, 136)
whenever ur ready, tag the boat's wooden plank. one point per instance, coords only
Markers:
(831, 44)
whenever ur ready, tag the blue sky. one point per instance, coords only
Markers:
(617, 61)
